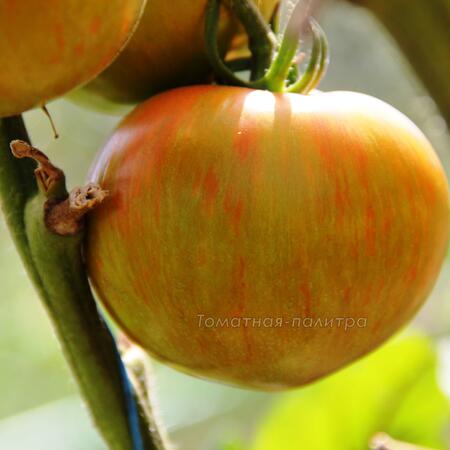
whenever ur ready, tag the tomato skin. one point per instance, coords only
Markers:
(227, 202)
(166, 51)
(47, 50)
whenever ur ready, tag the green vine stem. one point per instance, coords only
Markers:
(261, 38)
(55, 266)
(280, 72)
(212, 15)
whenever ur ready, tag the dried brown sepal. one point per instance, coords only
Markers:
(65, 218)
(63, 212)
(47, 175)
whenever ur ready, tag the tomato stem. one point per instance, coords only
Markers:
(279, 69)
(280, 72)
(212, 47)
(260, 36)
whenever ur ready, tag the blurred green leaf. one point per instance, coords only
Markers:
(233, 446)
(394, 390)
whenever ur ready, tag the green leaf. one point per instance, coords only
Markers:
(233, 446)
(394, 390)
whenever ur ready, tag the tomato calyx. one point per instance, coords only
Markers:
(274, 64)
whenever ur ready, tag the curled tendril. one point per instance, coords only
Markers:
(221, 69)
(318, 62)
(240, 64)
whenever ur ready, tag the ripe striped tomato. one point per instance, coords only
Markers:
(49, 48)
(266, 239)
(166, 51)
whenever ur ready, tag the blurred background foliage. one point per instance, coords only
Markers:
(402, 389)
(421, 29)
